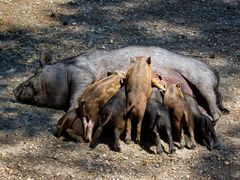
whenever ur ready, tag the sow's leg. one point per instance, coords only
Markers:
(211, 99)
(220, 103)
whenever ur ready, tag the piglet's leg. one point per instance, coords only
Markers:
(170, 141)
(192, 139)
(116, 146)
(128, 131)
(96, 137)
(157, 139)
(139, 126)
(208, 142)
(182, 140)
(73, 134)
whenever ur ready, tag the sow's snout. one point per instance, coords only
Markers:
(24, 92)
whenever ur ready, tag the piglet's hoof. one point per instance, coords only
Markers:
(137, 141)
(159, 152)
(128, 141)
(181, 146)
(117, 148)
(56, 134)
(172, 151)
(193, 146)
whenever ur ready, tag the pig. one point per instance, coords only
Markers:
(156, 119)
(59, 85)
(72, 125)
(139, 82)
(95, 96)
(180, 113)
(204, 128)
(113, 113)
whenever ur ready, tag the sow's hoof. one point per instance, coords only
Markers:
(216, 117)
(225, 111)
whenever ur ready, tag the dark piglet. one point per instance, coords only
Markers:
(113, 113)
(156, 119)
(204, 130)
(72, 125)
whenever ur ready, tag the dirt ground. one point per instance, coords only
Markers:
(208, 30)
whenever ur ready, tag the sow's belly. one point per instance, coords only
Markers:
(190, 68)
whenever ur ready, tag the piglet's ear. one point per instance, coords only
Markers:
(123, 82)
(149, 60)
(45, 58)
(160, 77)
(132, 60)
(83, 104)
(178, 85)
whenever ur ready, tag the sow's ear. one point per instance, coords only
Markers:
(45, 58)
(149, 60)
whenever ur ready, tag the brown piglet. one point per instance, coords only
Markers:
(72, 125)
(94, 97)
(180, 113)
(139, 82)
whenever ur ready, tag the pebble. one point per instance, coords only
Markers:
(226, 162)
(29, 178)
(125, 157)
(73, 23)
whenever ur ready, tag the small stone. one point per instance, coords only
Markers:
(125, 157)
(226, 162)
(212, 56)
(73, 23)
(55, 156)
(236, 174)
(72, 175)
(29, 178)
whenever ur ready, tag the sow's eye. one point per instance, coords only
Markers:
(27, 93)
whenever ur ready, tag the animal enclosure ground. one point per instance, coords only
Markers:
(208, 30)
